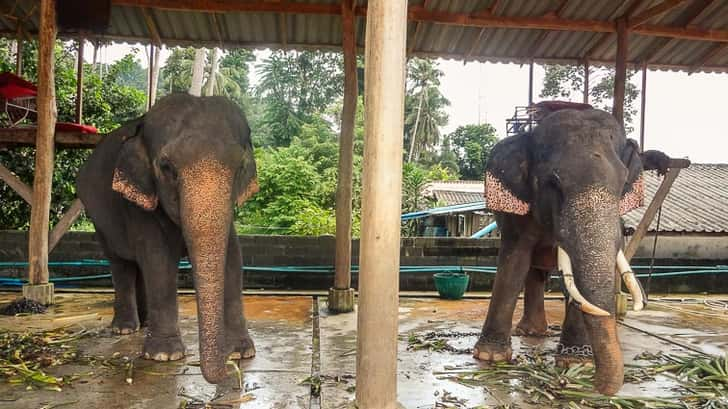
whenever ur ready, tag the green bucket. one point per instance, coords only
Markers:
(451, 286)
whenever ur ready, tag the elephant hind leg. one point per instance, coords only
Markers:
(141, 300)
(126, 314)
(533, 322)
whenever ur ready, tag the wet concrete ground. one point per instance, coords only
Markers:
(283, 328)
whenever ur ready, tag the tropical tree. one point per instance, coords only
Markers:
(567, 81)
(424, 107)
(293, 87)
(472, 145)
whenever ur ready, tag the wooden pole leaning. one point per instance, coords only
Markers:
(377, 321)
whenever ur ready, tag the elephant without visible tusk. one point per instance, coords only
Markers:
(635, 289)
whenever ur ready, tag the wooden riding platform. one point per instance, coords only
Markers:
(65, 137)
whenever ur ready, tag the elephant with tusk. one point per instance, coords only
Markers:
(163, 187)
(558, 192)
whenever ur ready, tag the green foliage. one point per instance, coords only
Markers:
(472, 145)
(565, 81)
(294, 86)
(176, 75)
(106, 104)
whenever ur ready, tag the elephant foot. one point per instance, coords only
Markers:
(492, 351)
(243, 348)
(163, 348)
(529, 329)
(124, 326)
(572, 355)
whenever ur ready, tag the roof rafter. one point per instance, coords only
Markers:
(605, 38)
(692, 13)
(542, 37)
(418, 28)
(152, 27)
(491, 10)
(653, 11)
(708, 56)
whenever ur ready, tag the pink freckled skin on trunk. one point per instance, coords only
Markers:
(205, 204)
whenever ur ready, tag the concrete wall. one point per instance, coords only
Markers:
(420, 251)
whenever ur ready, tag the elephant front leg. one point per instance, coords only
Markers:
(126, 310)
(238, 340)
(159, 271)
(533, 322)
(514, 262)
(573, 347)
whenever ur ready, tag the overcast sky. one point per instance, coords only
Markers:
(686, 115)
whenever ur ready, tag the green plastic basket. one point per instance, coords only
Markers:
(451, 286)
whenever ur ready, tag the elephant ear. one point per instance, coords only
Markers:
(248, 180)
(506, 176)
(133, 173)
(633, 194)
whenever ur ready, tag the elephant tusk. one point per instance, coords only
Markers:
(564, 263)
(633, 285)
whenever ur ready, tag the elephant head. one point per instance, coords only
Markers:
(575, 174)
(192, 159)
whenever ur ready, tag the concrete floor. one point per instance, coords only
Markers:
(284, 329)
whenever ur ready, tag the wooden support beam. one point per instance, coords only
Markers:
(708, 56)
(606, 38)
(691, 14)
(654, 11)
(43, 179)
(620, 73)
(19, 58)
(65, 223)
(650, 213)
(545, 34)
(418, 28)
(586, 81)
(376, 363)
(530, 83)
(14, 137)
(344, 184)
(23, 190)
(419, 13)
(643, 105)
(79, 82)
(151, 27)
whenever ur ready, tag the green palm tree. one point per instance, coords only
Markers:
(423, 121)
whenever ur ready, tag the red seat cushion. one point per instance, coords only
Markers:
(13, 86)
(71, 127)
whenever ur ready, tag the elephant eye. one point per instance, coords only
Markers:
(167, 169)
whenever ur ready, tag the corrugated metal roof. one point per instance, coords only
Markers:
(697, 203)
(323, 31)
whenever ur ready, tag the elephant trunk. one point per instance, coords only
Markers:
(206, 214)
(589, 234)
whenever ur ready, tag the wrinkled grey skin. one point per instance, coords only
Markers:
(163, 187)
(572, 170)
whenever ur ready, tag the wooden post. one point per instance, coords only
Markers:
(586, 81)
(376, 364)
(19, 58)
(642, 107)
(620, 74)
(341, 296)
(530, 84)
(150, 102)
(39, 289)
(79, 82)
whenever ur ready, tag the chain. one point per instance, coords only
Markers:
(574, 350)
